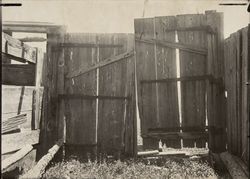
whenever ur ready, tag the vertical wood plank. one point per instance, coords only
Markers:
(81, 114)
(245, 95)
(192, 93)
(112, 113)
(145, 70)
(166, 68)
(217, 104)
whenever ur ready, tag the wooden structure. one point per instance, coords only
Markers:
(22, 96)
(199, 39)
(97, 102)
(237, 72)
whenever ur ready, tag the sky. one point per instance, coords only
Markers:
(117, 16)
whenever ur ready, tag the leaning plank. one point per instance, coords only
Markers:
(173, 153)
(146, 153)
(233, 167)
(13, 123)
(14, 142)
(16, 48)
(101, 64)
(39, 168)
(16, 157)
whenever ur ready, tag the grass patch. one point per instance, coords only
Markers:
(141, 168)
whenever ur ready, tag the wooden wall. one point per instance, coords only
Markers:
(156, 41)
(237, 71)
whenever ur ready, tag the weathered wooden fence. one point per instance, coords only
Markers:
(199, 39)
(237, 72)
(97, 101)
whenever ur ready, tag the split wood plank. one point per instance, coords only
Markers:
(192, 93)
(39, 168)
(22, 75)
(16, 157)
(14, 142)
(147, 153)
(16, 48)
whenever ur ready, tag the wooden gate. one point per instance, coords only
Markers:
(196, 69)
(98, 101)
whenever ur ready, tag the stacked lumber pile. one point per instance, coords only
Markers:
(13, 123)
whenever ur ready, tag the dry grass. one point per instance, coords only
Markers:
(161, 168)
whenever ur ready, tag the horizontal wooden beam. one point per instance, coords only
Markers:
(177, 135)
(18, 74)
(14, 142)
(18, 49)
(31, 27)
(89, 97)
(7, 57)
(194, 28)
(33, 39)
(188, 48)
(174, 129)
(185, 78)
(213, 129)
(103, 63)
(88, 45)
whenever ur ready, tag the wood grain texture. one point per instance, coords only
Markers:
(80, 114)
(14, 142)
(16, 48)
(89, 120)
(146, 70)
(17, 100)
(245, 93)
(236, 76)
(192, 93)
(166, 68)
(22, 75)
(113, 81)
(216, 95)
(16, 157)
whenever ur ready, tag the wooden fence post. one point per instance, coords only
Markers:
(215, 92)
